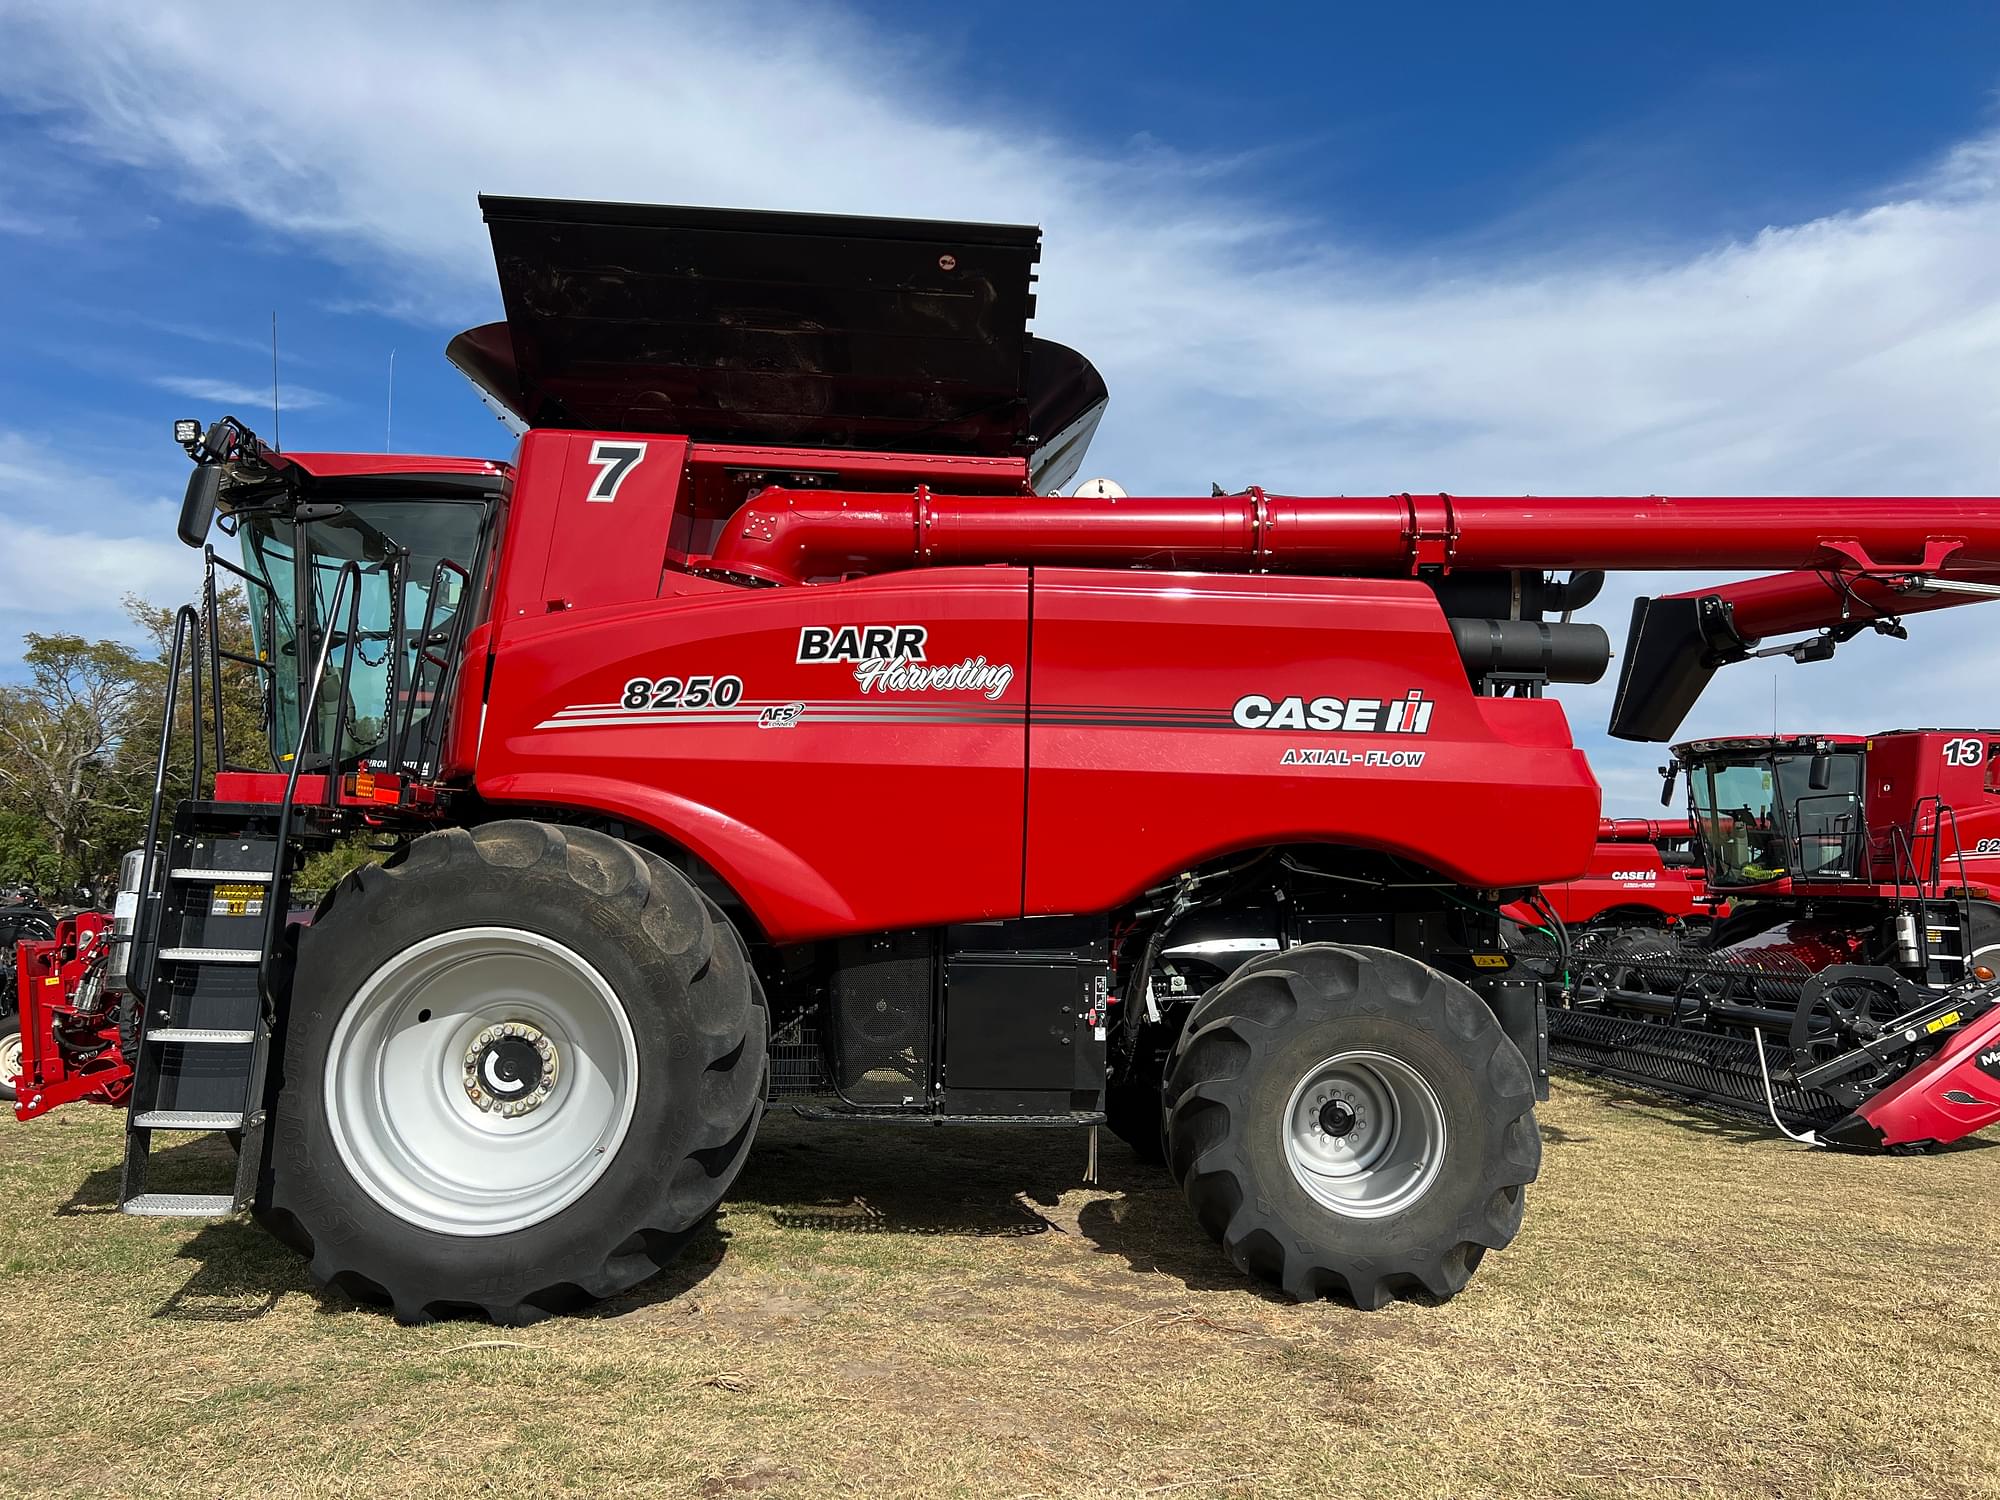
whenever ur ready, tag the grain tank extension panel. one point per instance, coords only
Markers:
(808, 330)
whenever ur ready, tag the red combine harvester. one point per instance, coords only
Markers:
(766, 732)
(1644, 874)
(1864, 880)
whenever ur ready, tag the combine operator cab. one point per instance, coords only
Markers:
(1834, 995)
(1773, 812)
(358, 577)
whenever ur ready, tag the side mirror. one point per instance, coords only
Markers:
(198, 504)
(1821, 775)
(1668, 776)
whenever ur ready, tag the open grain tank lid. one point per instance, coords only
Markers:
(805, 330)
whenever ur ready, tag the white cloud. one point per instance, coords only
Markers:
(1851, 354)
(230, 393)
(77, 541)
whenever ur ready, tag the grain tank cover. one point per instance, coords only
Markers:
(799, 329)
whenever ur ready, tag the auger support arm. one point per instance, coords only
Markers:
(1676, 641)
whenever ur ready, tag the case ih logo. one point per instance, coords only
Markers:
(844, 643)
(1409, 714)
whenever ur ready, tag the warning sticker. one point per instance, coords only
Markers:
(236, 901)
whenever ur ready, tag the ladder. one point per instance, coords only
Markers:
(1946, 938)
(204, 1032)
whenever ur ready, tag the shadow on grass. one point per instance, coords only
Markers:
(959, 1180)
(908, 1179)
(198, 1165)
(240, 1274)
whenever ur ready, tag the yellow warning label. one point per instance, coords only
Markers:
(1943, 1021)
(1489, 960)
(237, 901)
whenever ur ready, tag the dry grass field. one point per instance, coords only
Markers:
(1695, 1309)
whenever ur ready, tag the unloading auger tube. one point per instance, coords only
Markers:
(794, 536)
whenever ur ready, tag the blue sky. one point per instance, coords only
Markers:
(1689, 249)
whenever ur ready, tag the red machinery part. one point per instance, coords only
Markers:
(1785, 602)
(792, 536)
(1950, 1095)
(1642, 830)
(51, 978)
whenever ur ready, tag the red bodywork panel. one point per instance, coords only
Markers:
(843, 796)
(1624, 877)
(348, 465)
(48, 977)
(1135, 720)
(1948, 1096)
(1628, 875)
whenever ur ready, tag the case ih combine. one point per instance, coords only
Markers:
(1862, 936)
(1644, 874)
(767, 732)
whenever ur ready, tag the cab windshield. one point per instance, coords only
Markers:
(1761, 819)
(382, 678)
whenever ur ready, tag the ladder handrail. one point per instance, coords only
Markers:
(424, 656)
(211, 609)
(145, 928)
(274, 912)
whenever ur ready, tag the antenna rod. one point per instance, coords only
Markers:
(276, 441)
(389, 422)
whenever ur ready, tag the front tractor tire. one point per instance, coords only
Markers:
(521, 1066)
(1349, 1121)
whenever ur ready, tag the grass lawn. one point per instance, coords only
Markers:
(1694, 1308)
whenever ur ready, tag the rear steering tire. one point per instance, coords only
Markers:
(1350, 1121)
(521, 1066)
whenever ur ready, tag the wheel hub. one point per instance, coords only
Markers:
(1364, 1134)
(510, 1069)
(1337, 1117)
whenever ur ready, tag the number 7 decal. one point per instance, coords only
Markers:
(614, 461)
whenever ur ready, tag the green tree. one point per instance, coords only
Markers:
(62, 736)
(26, 855)
(242, 688)
(78, 740)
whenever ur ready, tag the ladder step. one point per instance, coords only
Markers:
(246, 877)
(212, 955)
(181, 1205)
(188, 1119)
(201, 1034)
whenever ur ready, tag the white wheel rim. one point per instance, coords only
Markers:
(11, 1054)
(1364, 1134)
(480, 1081)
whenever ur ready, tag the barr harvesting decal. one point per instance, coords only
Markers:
(891, 659)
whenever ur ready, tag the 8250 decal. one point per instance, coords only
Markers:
(672, 692)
